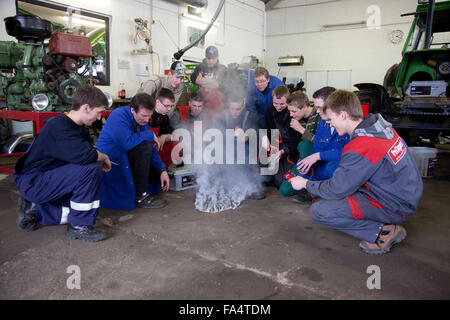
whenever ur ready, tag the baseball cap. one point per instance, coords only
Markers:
(179, 68)
(211, 52)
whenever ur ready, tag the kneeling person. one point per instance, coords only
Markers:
(242, 122)
(377, 184)
(128, 141)
(160, 124)
(59, 176)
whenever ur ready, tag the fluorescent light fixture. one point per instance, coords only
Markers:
(344, 25)
(199, 19)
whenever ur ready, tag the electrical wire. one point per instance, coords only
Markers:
(168, 34)
(143, 34)
(159, 62)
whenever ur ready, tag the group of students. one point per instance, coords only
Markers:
(357, 170)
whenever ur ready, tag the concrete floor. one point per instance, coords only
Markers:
(267, 249)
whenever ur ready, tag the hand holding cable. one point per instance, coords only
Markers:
(305, 165)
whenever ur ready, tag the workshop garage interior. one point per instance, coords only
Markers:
(224, 154)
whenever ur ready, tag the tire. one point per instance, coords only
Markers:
(390, 78)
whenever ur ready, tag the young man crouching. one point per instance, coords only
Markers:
(376, 186)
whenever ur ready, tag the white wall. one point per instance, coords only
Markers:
(294, 27)
(241, 32)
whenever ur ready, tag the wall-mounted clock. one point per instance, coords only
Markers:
(396, 36)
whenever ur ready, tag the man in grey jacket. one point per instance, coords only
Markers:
(172, 81)
(377, 185)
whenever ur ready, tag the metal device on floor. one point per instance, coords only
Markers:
(182, 178)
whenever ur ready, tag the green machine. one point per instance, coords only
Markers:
(37, 74)
(415, 95)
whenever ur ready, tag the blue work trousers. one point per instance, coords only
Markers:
(67, 194)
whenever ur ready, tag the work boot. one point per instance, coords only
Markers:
(302, 197)
(147, 202)
(389, 235)
(85, 233)
(27, 219)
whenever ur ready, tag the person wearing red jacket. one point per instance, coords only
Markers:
(377, 185)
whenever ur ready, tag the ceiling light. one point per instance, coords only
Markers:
(357, 24)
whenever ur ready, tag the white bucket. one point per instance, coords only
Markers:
(426, 159)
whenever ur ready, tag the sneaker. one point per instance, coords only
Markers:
(257, 196)
(302, 197)
(27, 219)
(389, 235)
(147, 202)
(85, 233)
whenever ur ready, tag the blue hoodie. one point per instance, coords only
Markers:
(258, 102)
(329, 144)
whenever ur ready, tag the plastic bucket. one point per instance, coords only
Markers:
(426, 159)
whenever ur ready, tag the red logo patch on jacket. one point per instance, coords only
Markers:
(374, 149)
(397, 151)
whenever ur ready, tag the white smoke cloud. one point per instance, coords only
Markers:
(223, 185)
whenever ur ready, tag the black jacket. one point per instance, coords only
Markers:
(161, 121)
(281, 121)
(246, 120)
(218, 71)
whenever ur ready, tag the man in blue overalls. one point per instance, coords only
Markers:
(138, 171)
(59, 176)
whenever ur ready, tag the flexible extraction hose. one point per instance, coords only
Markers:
(177, 55)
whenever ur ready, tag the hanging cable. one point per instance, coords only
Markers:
(142, 32)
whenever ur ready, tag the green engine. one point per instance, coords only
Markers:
(37, 74)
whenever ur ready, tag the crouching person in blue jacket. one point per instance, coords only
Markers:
(327, 149)
(137, 168)
(59, 176)
(376, 186)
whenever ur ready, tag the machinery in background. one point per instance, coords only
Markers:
(39, 75)
(42, 75)
(97, 38)
(415, 95)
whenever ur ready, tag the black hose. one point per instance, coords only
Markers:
(177, 55)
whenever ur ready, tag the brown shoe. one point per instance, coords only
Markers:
(389, 235)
